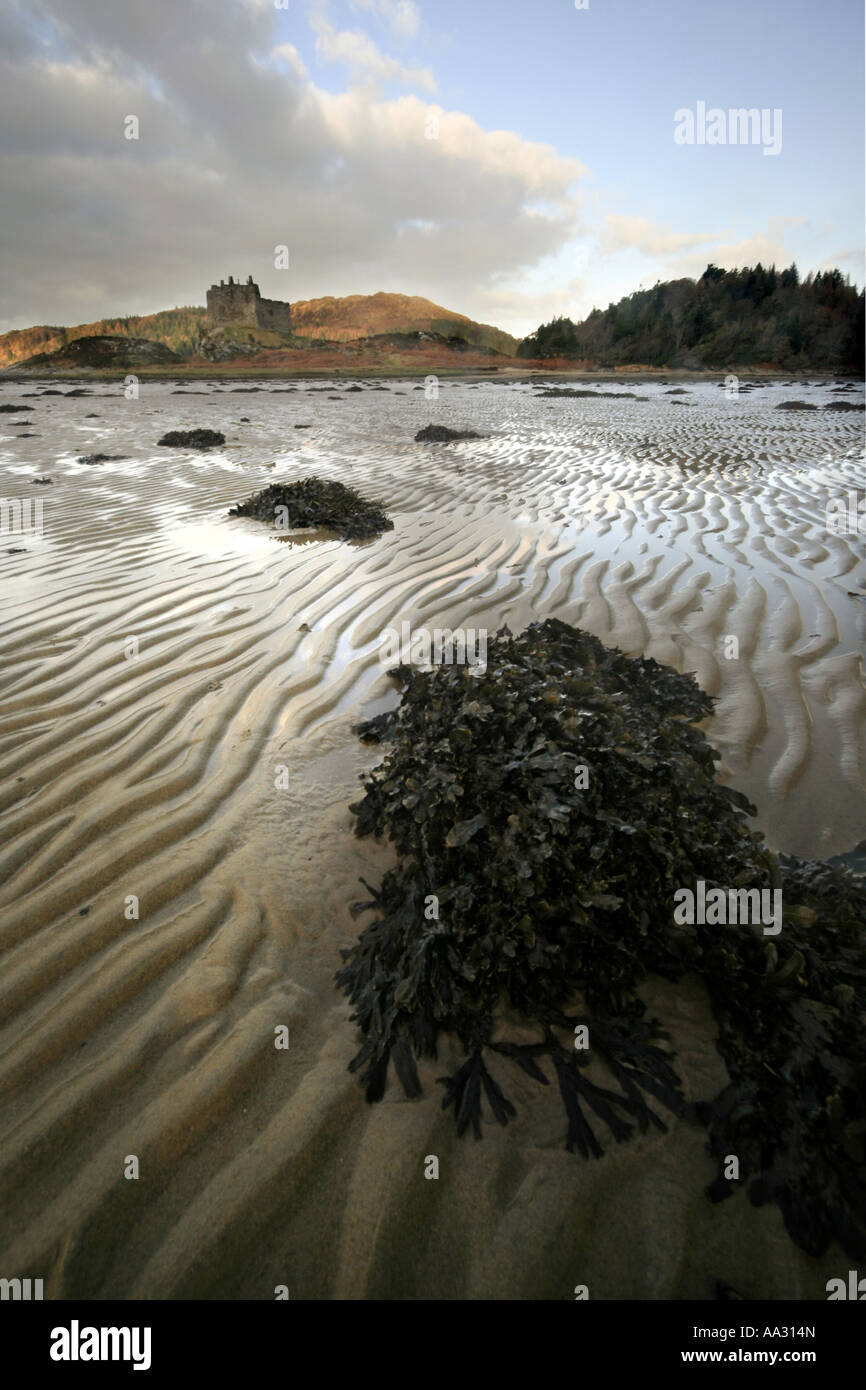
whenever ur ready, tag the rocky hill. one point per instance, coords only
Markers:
(100, 351)
(186, 334)
(372, 315)
(177, 329)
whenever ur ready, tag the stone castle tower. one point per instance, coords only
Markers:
(243, 304)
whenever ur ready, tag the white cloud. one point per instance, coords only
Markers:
(640, 234)
(402, 16)
(853, 258)
(768, 246)
(287, 53)
(363, 59)
(677, 254)
(501, 155)
(521, 311)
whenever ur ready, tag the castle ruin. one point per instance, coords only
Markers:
(233, 303)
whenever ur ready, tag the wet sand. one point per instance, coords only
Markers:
(153, 769)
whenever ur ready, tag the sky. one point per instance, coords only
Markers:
(509, 159)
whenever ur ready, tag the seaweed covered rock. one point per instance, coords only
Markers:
(441, 434)
(554, 391)
(792, 1039)
(545, 815)
(192, 439)
(314, 502)
(598, 395)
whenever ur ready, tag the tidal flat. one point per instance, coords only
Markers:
(178, 693)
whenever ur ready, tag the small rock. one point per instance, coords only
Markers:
(192, 439)
(441, 434)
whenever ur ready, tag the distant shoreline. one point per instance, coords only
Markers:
(232, 372)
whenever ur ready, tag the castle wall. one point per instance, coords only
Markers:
(243, 304)
(232, 304)
(274, 314)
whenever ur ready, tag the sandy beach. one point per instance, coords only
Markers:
(177, 698)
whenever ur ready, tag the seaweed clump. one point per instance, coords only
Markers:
(192, 439)
(544, 814)
(442, 434)
(313, 502)
(598, 395)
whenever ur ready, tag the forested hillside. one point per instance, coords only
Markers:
(177, 329)
(726, 318)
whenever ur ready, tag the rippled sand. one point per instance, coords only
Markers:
(663, 525)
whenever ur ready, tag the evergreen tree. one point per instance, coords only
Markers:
(726, 318)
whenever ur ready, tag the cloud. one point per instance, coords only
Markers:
(459, 144)
(852, 257)
(239, 152)
(688, 254)
(287, 53)
(640, 234)
(768, 246)
(514, 309)
(402, 16)
(363, 58)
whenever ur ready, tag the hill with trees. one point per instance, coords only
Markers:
(187, 334)
(358, 316)
(755, 316)
(179, 330)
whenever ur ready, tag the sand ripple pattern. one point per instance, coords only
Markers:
(177, 689)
